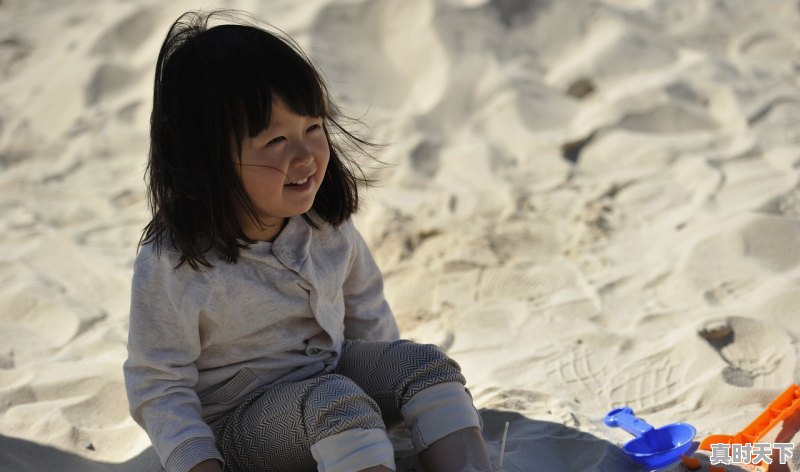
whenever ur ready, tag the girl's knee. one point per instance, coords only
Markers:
(336, 404)
(425, 365)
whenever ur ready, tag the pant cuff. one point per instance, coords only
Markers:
(437, 411)
(354, 449)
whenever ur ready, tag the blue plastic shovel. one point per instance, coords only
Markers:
(652, 447)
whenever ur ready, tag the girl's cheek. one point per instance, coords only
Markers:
(262, 181)
(324, 153)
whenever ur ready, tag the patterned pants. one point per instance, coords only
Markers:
(274, 429)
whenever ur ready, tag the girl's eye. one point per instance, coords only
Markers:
(276, 140)
(314, 127)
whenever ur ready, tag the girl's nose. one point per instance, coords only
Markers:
(303, 156)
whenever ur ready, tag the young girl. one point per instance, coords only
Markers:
(260, 338)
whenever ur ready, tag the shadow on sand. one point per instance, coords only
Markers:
(532, 445)
(20, 455)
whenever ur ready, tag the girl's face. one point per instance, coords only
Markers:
(282, 169)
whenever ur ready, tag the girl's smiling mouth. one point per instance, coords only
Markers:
(298, 182)
(302, 183)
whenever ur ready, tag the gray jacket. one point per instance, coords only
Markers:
(200, 342)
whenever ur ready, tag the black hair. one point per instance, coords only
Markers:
(213, 85)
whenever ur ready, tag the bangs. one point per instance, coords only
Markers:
(258, 67)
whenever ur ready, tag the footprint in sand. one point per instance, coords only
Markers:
(650, 384)
(128, 113)
(580, 369)
(13, 52)
(425, 158)
(777, 122)
(127, 35)
(523, 239)
(749, 182)
(669, 117)
(536, 105)
(758, 354)
(752, 250)
(399, 51)
(786, 203)
(618, 371)
(765, 49)
(121, 40)
(514, 12)
(536, 283)
(611, 50)
(772, 241)
(110, 79)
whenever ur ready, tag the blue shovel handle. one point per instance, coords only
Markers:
(625, 419)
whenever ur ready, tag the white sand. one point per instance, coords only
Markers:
(563, 288)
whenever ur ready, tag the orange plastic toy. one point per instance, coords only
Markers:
(781, 408)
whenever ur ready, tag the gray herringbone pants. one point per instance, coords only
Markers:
(274, 429)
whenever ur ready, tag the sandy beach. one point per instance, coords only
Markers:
(588, 204)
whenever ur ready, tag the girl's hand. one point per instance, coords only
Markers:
(210, 465)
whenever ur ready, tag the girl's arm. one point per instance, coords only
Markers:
(160, 372)
(367, 314)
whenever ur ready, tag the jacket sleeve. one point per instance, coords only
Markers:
(160, 372)
(367, 314)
